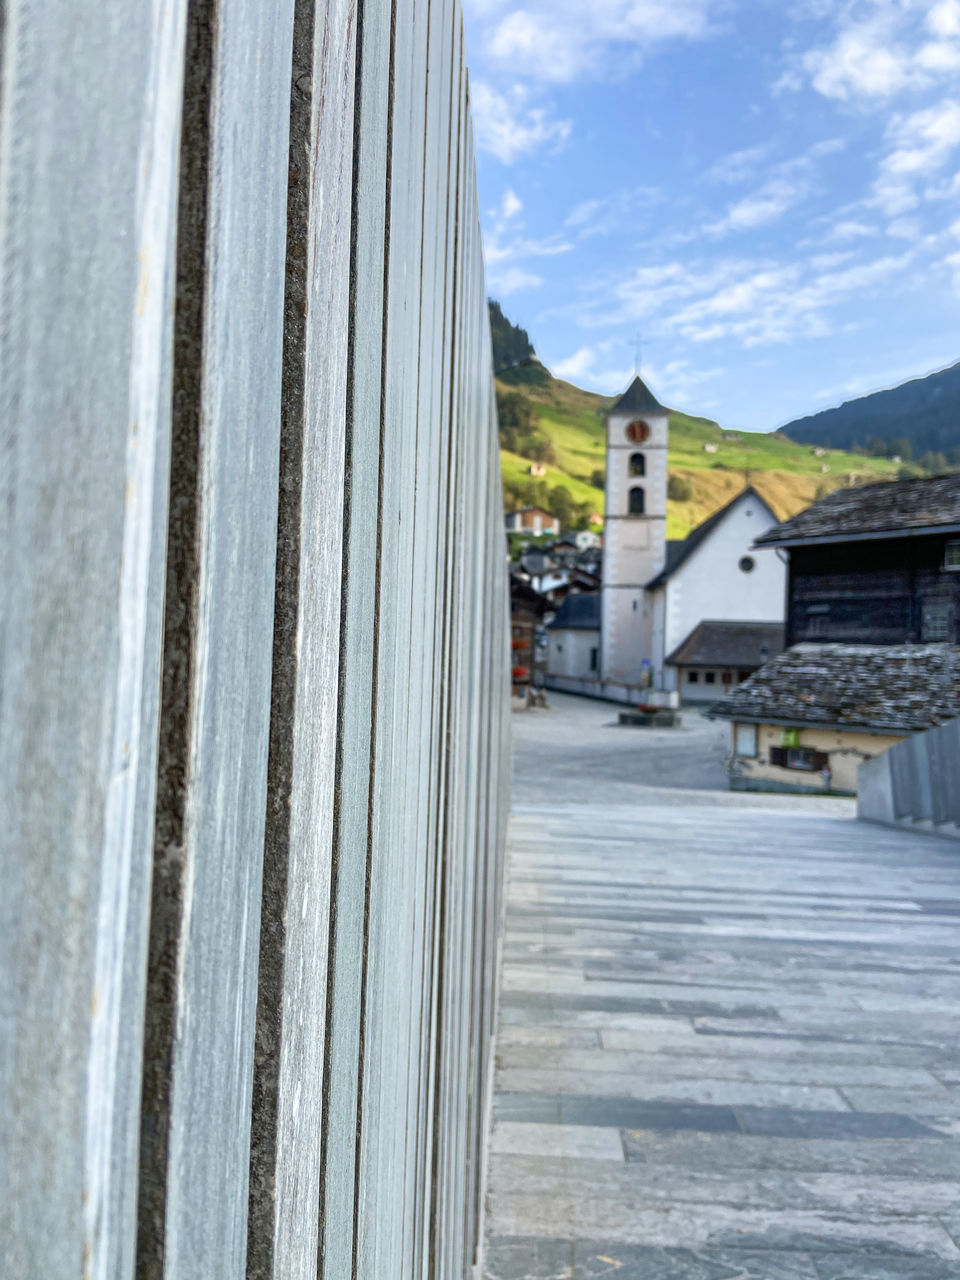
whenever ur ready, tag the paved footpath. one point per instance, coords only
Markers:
(728, 1047)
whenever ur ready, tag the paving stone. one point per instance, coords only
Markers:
(560, 1141)
(532, 1259)
(768, 1000)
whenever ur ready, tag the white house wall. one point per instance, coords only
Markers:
(711, 585)
(569, 653)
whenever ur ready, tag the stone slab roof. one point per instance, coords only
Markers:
(729, 644)
(900, 688)
(888, 507)
(580, 612)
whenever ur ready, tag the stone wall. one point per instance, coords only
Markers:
(254, 640)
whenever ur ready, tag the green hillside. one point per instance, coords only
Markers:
(548, 423)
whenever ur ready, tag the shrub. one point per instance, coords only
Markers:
(678, 489)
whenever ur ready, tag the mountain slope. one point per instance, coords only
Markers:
(549, 423)
(924, 411)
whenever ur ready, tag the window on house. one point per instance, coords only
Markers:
(710, 677)
(951, 555)
(804, 758)
(636, 501)
(936, 621)
(745, 740)
(743, 675)
(594, 653)
(747, 564)
(693, 677)
(638, 464)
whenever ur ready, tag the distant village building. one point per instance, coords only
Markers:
(873, 625)
(573, 646)
(655, 593)
(717, 656)
(532, 520)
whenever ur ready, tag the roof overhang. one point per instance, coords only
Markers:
(873, 536)
(716, 713)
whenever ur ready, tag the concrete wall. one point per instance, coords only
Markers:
(253, 711)
(916, 783)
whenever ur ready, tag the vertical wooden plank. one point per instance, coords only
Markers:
(286, 1138)
(217, 643)
(88, 157)
(357, 695)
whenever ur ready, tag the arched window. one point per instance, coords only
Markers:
(638, 464)
(636, 501)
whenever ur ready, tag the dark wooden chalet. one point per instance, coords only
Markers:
(878, 564)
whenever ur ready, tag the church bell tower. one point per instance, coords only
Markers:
(634, 530)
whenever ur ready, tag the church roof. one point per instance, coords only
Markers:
(678, 552)
(638, 398)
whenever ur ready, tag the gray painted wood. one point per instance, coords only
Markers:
(90, 123)
(218, 644)
(316, 511)
(286, 1141)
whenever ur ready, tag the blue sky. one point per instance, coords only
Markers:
(767, 192)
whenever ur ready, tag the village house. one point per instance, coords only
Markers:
(532, 520)
(873, 625)
(717, 656)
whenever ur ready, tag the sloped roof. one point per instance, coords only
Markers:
(638, 398)
(580, 612)
(888, 507)
(902, 688)
(678, 552)
(729, 644)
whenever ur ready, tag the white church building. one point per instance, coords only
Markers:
(656, 594)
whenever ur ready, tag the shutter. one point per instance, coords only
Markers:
(777, 755)
(819, 760)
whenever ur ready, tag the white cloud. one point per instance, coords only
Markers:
(575, 366)
(753, 302)
(882, 48)
(512, 205)
(767, 204)
(921, 143)
(508, 280)
(558, 41)
(508, 126)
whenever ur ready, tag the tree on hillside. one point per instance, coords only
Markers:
(511, 344)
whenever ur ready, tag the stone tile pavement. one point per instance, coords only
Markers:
(728, 1047)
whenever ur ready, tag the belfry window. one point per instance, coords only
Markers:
(636, 501)
(638, 464)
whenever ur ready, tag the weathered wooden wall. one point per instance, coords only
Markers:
(254, 643)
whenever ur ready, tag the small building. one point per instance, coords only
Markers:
(808, 719)
(718, 655)
(573, 644)
(875, 565)
(587, 540)
(532, 520)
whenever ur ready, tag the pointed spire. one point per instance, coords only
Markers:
(638, 398)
